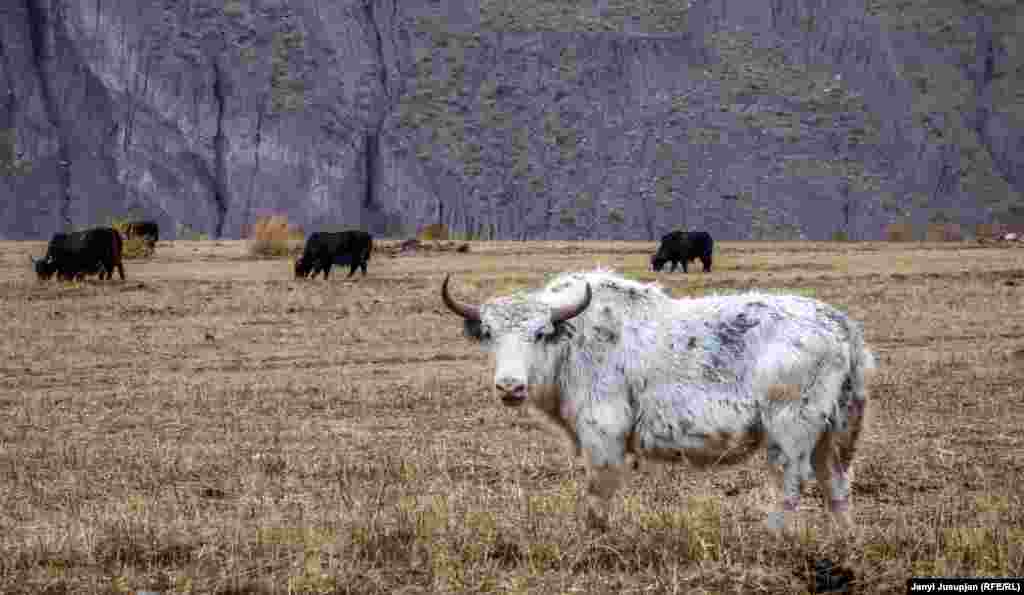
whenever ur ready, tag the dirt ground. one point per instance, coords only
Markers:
(211, 425)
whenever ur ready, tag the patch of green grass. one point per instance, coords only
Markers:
(850, 171)
(654, 16)
(234, 8)
(287, 88)
(616, 216)
(10, 163)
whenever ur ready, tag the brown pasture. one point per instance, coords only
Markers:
(211, 425)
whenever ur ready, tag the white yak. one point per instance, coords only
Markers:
(625, 369)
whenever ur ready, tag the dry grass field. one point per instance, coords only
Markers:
(211, 425)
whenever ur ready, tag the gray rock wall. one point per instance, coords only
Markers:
(785, 119)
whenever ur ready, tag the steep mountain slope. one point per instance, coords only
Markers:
(538, 118)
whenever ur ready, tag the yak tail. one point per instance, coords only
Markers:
(854, 396)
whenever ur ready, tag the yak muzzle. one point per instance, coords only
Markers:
(512, 392)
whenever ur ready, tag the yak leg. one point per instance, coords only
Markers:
(326, 268)
(352, 267)
(831, 467)
(833, 481)
(363, 265)
(120, 271)
(606, 472)
(707, 263)
(788, 479)
(685, 260)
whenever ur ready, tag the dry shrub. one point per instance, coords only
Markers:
(121, 225)
(273, 237)
(899, 232)
(434, 231)
(137, 248)
(944, 232)
(986, 231)
(132, 248)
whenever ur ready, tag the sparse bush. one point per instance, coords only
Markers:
(899, 232)
(986, 230)
(272, 237)
(840, 236)
(137, 248)
(434, 231)
(131, 248)
(121, 225)
(944, 232)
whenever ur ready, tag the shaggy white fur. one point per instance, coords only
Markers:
(640, 372)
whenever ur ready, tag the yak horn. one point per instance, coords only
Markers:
(566, 312)
(464, 310)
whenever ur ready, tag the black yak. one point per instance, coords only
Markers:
(682, 247)
(79, 253)
(324, 249)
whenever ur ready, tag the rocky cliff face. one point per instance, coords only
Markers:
(780, 119)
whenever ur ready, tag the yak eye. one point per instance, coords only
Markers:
(545, 333)
(477, 330)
